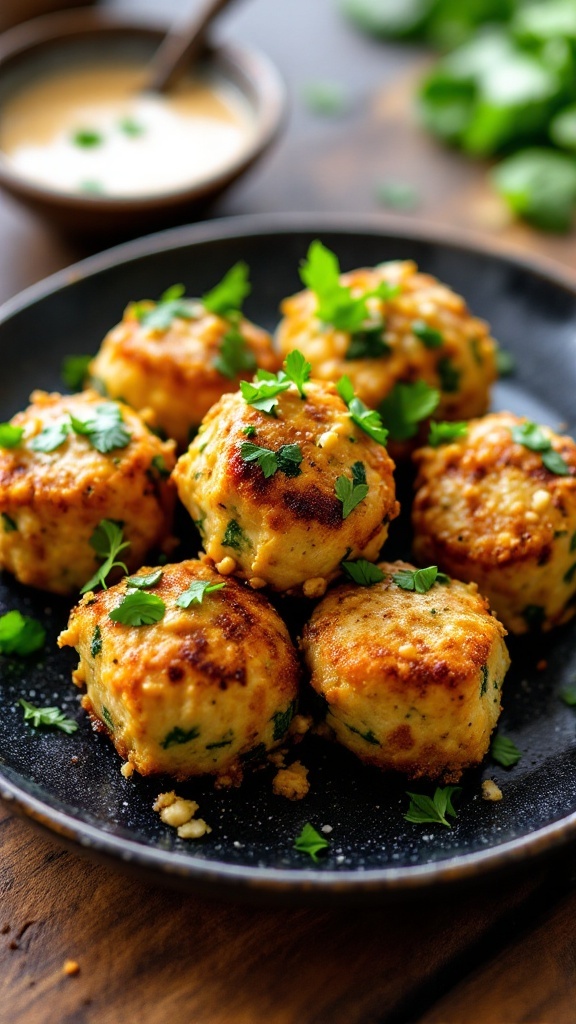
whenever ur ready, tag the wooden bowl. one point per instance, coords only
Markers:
(50, 41)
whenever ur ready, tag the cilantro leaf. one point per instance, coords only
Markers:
(445, 433)
(234, 536)
(10, 525)
(365, 573)
(555, 463)
(107, 541)
(326, 98)
(434, 810)
(87, 138)
(151, 579)
(138, 609)
(336, 305)
(234, 357)
(196, 591)
(106, 431)
(50, 437)
(297, 370)
(311, 842)
(287, 459)
(282, 720)
(368, 344)
(504, 751)
(505, 362)
(429, 336)
(540, 185)
(48, 717)
(227, 297)
(178, 736)
(170, 306)
(406, 406)
(20, 634)
(10, 436)
(531, 436)
(262, 394)
(367, 419)
(128, 126)
(96, 642)
(74, 371)
(419, 580)
(350, 494)
(449, 375)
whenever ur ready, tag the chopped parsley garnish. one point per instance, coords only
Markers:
(48, 717)
(531, 436)
(146, 582)
(297, 370)
(227, 297)
(419, 580)
(9, 524)
(179, 736)
(533, 615)
(446, 433)
(196, 592)
(311, 842)
(20, 634)
(263, 393)
(368, 736)
(368, 344)
(335, 303)
(91, 187)
(363, 572)
(159, 466)
(484, 683)
(505, 362)
(326, 98)
(138, 609)
(234, 536)
(105, 431)
(50, 437)
(107, 718)
(170, 306)
(133, 129)
(568, 695)
(424, 810)
(504, 751)
(96, 642)
(429, 336)
(367, 419)
(449, 375)
(249, 431)
(406, 406)
(107, 541)
(282, 720)
(398, 195)
(87, 138)
(74, 371)
(234, 356)
(351, 492)
(10, 436)
(287, 459)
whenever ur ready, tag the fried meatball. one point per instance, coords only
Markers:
(56, 487)
(488, 509)
(424, 332)
(196, 692)
(288, 527)
(181, 369)
(411, 680)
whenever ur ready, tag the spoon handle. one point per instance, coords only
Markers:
(181, 46)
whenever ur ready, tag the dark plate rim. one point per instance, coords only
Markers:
(197, 872)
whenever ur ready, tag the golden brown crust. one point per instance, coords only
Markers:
(292, 528)
(173, 372)
(216, 672)
(56, 499)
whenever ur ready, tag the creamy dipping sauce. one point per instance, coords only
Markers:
(94, 131)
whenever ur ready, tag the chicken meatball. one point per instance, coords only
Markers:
(416, 351)
(411, 677)
(197, 676)
(68, 464)
(282, 496)
(498, 506)
(177, 357)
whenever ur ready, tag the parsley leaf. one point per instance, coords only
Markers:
(234, 536)
(336, 305)
(234, 356)
(449, 375)
(9, 524)
(228, 295)
(429, 336)
(170, 306)
(74, 371)
(179, 736)
(350, 494)
(434, 810)
(406, 406)
(445, 433)
(138, 609)
(262, 394)
(325, 98)
(10, 436)
(297, 370)
(87, 138)
(368, 344)
(20, 634)
(367, 419)
(363, 572)
(505, 362)
(504, 751)
(310, 841)
(49, 717)
(531, 436)
(287, 459)
(151, 579)
(50, 437)
(196, 591)
(555, 463)
(419, 580)
(128, 126)
(106, 431)
(107, 541)
(96, 642)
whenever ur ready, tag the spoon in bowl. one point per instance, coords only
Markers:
(182, 45)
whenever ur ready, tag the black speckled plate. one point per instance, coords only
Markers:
(72, 784)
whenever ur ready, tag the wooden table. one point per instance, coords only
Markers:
(501, 954)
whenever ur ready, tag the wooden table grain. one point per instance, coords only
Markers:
(501, 953)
